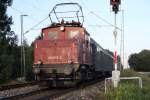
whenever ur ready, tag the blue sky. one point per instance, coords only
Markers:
(136, 21)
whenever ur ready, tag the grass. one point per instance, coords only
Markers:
(129, 90)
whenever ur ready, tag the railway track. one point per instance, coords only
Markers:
(14, 90)
(13, 86)
(22, 94)
(35, 92)
(28, 91)
(55, 93)
(49, 94)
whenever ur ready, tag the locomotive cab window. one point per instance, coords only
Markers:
(73, 34)
(52, 35)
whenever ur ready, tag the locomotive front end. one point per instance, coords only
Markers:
(57, 54)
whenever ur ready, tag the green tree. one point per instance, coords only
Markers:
(29, 58)
(8, 42)
(29, 61)
(140, 61)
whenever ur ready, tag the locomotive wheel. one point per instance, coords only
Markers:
(83, 75)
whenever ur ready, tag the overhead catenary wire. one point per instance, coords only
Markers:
(16, 10)
(33, 6)
(96, 14)
(86, 8)
(32, 28)
(105, 20)
(100, 25)
(37, 28)
(93, 29)
(22, 13)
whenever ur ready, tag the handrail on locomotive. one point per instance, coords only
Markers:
(78, 12)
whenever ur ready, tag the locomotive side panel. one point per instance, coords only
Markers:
(101, 60)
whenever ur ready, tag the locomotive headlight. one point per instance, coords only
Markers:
(39, 62)
(36, 70)
(67, 70)
(62, 28)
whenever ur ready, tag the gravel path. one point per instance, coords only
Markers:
(18, 91)
(88, 93)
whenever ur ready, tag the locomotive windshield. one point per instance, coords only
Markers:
(52, 35)
(73, 34)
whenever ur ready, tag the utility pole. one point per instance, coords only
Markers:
(123, 37)
(115, 74)
(23, 71)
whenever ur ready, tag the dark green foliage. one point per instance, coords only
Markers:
(10, 52)
(140, 61)
(16, 65)
(29, 62)
(8, 43)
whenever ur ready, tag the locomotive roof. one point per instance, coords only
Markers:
(66, 24)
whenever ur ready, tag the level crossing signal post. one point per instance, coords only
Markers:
(115, 73)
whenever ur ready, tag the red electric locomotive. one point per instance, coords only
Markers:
(66, 51)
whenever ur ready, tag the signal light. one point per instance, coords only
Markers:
(115, 8)
(115, 2)
(115, 5)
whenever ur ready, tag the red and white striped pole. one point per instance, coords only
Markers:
(115, 44)
(115, 73)
(115, 59)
